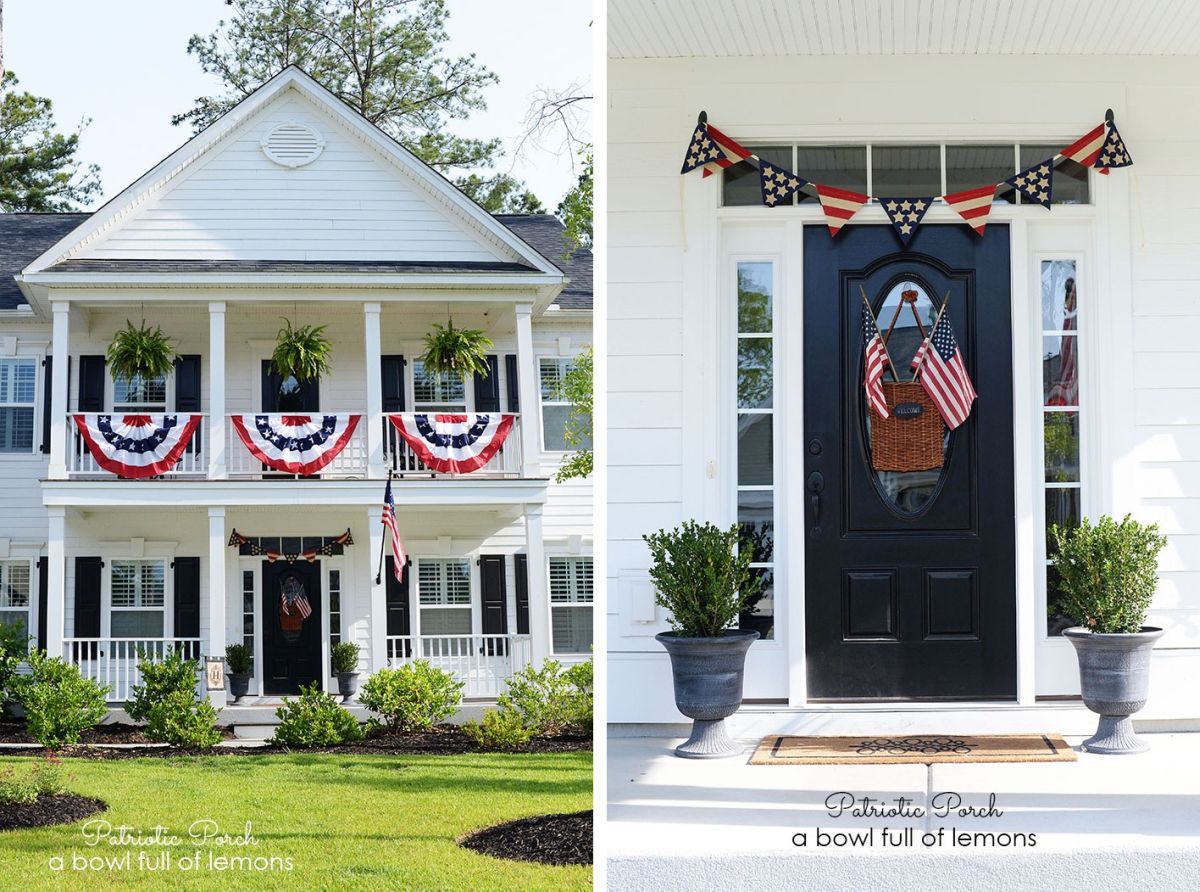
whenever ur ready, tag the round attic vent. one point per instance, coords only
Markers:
(293, 144)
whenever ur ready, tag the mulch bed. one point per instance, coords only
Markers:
(443, 740)
(114, 732)
(47, 810)
(547, 839)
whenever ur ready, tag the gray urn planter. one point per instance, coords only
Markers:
(239, 685)
(347, 684)
(1114, 675)
(708, 675)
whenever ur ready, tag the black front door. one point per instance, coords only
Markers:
(909, 574)
(291, 611)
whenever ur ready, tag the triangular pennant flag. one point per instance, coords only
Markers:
(1036, 184)
(839, 205)
(905, 214)
(1113, 152)
(973, 205)
(778, 185)
(1087, 147)
(731, 152)
(701, 150)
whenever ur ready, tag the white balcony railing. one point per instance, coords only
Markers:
(349, 464)
(403, 461)
(483, 662)
(113, 661)
(81, 462)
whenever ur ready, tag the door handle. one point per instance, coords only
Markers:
(816, 485)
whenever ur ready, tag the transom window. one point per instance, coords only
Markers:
(571, 597)
(14, 595)
(444, 595)
(438, 393)
(18, 389)
(932, 169)
(556, 409)
(138, 598)
(138, 394)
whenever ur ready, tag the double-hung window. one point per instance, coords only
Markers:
(556, 409)
(14, 596)
(18, 388)
(138, 394)
(138, 598)
(571, 604)
(437, 393)
(444, 595)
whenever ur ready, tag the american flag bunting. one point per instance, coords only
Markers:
(906, 214)
(1036, 184)
(1113, 153)
(731, 151)
(839, 205)
(701, 151)
(778, 185)
(1086, 149)
(973, 205)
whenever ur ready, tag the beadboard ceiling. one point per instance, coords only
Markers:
(639, 29)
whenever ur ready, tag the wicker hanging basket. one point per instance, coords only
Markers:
(909, 440)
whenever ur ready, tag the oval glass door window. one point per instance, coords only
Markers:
(907, 492)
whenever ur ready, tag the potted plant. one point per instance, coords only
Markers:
(343, 659)
(1107, 576)
(456, 351)
(705, 581)
(142, 353)
(238, 659)
(302, 353)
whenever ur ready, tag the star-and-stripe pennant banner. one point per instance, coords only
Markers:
(1036, 183)
(329, 549)
(778, 185)
(943, 373)
(1113, 153)
(973, 205)
(839, 205)
(1086, 149)
(875, 359)
(906, 214)
(701, 151)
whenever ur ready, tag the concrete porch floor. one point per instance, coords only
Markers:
(1110, 822)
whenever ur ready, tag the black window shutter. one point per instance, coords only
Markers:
(187, 597)
(187, 383)
(495, 608)
(398, 621)
(91, 383)
(521, 571)
(47, 373)
(391, 372)
(87, 597)
(43, 597)
(487, 390)
(514, 392)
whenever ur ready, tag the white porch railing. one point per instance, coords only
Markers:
(193, 462)
(113, 661)
(350, 463)
(403, 462)
(483, 662)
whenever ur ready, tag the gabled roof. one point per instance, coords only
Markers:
(546, 233)
(22, 238)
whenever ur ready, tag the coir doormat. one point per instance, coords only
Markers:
(922, 749)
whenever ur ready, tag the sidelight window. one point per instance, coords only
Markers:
(248, 593)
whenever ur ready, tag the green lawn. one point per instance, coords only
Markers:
(346, 822)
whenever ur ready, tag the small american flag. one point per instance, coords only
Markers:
(399, 558)
(291, 595)
(875, 360)
(944, 374)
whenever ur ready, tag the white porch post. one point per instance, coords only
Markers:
(60, 347)
(539, 597)
(56, 571)
(216, 591)
(528, 387)
(374, 417)
(216, 390)
(378, 590)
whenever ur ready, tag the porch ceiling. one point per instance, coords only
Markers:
(642, 29)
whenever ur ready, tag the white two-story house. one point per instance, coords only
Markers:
(290, 207)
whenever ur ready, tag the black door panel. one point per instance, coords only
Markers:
(291, 643)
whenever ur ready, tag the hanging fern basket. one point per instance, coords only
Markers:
(302, 353)
(142, 352)
(456, 351)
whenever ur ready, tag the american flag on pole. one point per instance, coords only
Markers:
(389, 521)
(875, 359)
(944, 374)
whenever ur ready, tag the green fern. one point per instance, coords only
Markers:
(140, 352)
(301, 352)
(459, 351)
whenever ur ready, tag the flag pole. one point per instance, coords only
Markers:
(882, 339)
(929, 337)
(382, 543)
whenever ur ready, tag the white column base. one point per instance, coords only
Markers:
(215, 645)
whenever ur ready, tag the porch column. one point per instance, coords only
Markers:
(60, 347)
(216, 390)
(216, 591)
(56, 566)
(374, 417)
(378, 589)
(528, 387)
(539, 598)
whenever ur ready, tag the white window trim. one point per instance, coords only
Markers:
(341, 611)
(410, 382)
(414, 592)
(39, 372)
(31, 609)
(152, 552)
(537, 371)
(563, 555)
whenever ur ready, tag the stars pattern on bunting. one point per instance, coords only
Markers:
(906, 214)
(778, 185)
(1113, 153)
(1036, 184)
(701, 151)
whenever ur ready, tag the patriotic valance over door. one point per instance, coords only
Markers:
(137, 445)
(452, 443)
(295, 444)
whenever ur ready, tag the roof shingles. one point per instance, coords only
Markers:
(23, 238)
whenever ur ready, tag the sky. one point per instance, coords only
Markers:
(124, 64)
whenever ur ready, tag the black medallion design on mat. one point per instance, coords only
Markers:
(926, 746)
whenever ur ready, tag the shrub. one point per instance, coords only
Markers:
(59, 703)
(239, 658)
(581, 676)
(314, 719)
(182, 720)
(499, 730)
(1108, 572)
(160, 679)
(14, 645)
(343, 657)
(546, 700)
(701, 577)
(44, 778)
(412, 697)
